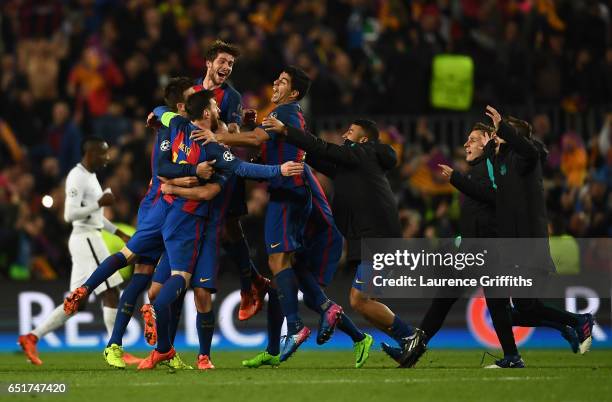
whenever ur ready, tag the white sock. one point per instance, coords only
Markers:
(55, 320)
(109, 314)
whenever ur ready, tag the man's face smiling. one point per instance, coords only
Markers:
(281, 89)
(220, 69)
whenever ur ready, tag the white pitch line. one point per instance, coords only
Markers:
(357, 381)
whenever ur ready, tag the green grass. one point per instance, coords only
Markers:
(323, 376)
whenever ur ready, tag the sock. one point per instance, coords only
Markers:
(109, 314)
(275, 323)
(175, 310)
(312, 290)
(502, 322)
(125, 310)
(205, 323)
(347, 326)
(535, 309)
(286, 286)
(109, 266)
(240, 254)
(400, 330)
(435, 316)
(167, 295)
(56, 319)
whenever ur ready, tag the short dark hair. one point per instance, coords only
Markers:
(89, 141)
(299, 80)
(369, 127)
(522, 127)
(197, 103)
(478, 126)
(173, 93)
(219, 46)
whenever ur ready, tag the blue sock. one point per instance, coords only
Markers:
(347, 326)
(108, 267)
(125, 309)
(167, 295)
(239, 252)
(400, 330)
(205, 323)
(312, 290)
(286, 286)
(175, 313)
(275, 323)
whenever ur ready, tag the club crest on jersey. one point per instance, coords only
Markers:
(164, 146)
(73, 192)
(228, 156)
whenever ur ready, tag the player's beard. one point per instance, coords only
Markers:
(214, 124)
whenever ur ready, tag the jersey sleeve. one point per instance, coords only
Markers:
(288, 116)
(229, 164)
(165, 166)
(75, 189)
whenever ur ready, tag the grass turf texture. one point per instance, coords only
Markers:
(322, 376)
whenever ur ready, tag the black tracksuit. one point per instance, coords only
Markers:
(477, 221)
(364, 205)
(521, 213)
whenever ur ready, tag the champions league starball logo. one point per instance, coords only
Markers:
(165, 145)
(228, 156)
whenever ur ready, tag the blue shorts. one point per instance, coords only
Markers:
(182, 233)
(162, 270)
(286, 218)
(363, 279)
(238, 206)
(323, 245)
(207, 267)
(147, 242)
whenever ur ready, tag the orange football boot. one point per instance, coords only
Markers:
(204, 363)
(150, 328)
(155, 358)
(74, 300)
(28, 345)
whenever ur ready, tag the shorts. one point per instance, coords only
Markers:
(87, 251)
(286, 219)
(143, 209)
(182, 233)
(323, 245)
(162, 270)
(207, 267)
(147, 242)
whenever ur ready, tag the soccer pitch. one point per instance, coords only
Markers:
(322, 376)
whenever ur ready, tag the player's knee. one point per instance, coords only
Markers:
(128, 254)
(279, 262)
(357, 300)
(154, 291)
(203, 300)
(146, 269)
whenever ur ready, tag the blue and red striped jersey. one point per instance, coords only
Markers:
(276, 151)
(229, 102)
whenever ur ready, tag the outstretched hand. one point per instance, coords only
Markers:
(273, 124)
(494, 115)
(292, 168)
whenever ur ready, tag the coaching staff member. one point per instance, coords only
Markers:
(364, 205)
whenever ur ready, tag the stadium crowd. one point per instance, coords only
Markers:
(84, 67)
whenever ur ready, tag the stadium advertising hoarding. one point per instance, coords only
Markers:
(27, 304)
